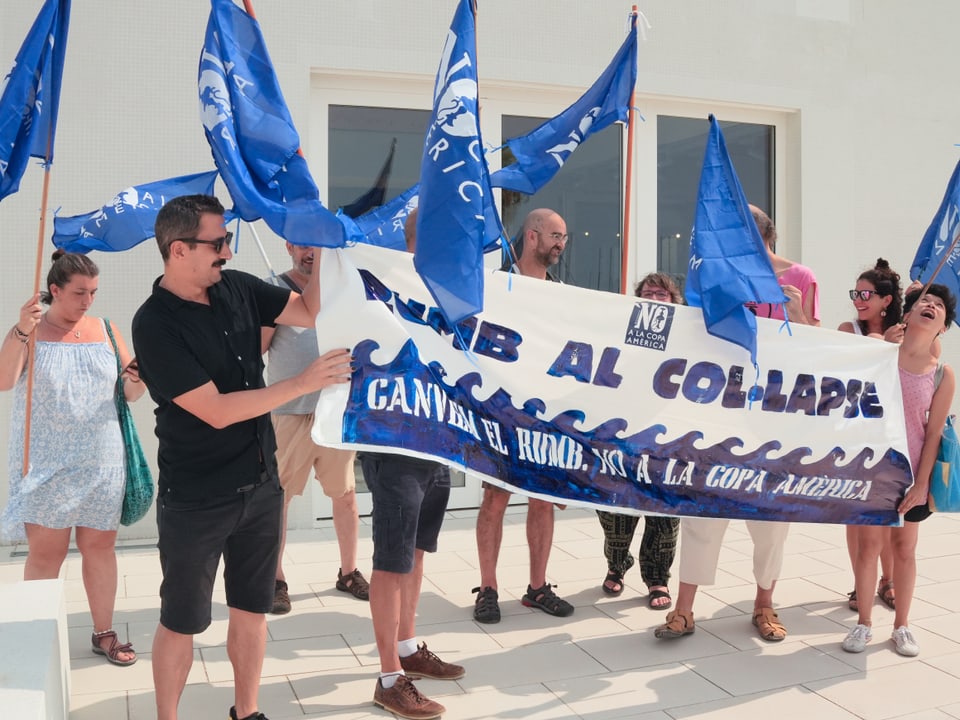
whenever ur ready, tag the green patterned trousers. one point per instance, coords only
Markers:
(658, 547)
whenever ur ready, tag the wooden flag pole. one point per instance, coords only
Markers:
(943, 261)
(32, 342)
(628, 187)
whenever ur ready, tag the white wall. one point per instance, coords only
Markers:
(865, 91)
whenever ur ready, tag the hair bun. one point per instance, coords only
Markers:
(882, 264)
(57, 254)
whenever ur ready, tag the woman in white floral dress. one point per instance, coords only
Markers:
(76, 471)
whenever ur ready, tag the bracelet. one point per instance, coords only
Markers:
(20, 335)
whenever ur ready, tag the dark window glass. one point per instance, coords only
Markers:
(360, 140)
(586, 192)
(680, 147)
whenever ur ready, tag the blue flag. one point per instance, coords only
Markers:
(456, 199)
(729, 265)
(384, 226)
(939, 239)
(542, 152)
(31, 95)
(252, 136)
(128, 219)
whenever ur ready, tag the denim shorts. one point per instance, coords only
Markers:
(409, 499)
(243, 528)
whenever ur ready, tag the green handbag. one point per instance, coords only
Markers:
(139, 490)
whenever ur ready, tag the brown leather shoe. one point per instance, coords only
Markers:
(425, 664)
(405, 700)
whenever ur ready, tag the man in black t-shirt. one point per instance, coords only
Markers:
(197, 340)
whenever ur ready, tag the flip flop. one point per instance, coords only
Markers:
(656, 595)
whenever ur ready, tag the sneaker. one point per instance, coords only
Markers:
(281, 599)
(857, 639)
(425, 664)
(254, 716)
(545, 599)
(905, 642)
(486, 609)
(405, 700)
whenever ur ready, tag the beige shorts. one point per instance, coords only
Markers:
(297, 454)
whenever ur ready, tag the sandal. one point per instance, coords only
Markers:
(615, 579)
(885, 593)
(852, 601)
(768, 624)
(545, 599)
(113, 652)
(658, 592)
(678, 624)
(354, 583)
(486, 609)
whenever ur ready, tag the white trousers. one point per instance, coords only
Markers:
(700, 541)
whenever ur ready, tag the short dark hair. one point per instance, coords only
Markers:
(180, 219)
(940, 291)
(65, 266)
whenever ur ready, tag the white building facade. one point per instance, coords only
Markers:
(841, 116)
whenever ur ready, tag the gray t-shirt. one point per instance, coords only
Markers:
(291, 350)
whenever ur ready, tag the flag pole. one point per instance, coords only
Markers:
(628, 188)
(263, 253)
(943, 261)
(32, 341)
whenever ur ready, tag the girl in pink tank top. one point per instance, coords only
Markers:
(925, 407)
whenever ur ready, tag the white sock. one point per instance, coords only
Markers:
(406, 648)
(388, 680)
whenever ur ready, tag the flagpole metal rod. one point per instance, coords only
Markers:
(32, 342)
(628, 187)
(263, 253)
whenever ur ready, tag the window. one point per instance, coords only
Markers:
(359, 145)
(586, 192)
(680, 146)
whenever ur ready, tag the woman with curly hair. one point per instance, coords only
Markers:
(659, 544)
(877, 299)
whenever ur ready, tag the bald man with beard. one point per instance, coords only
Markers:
(542, 242)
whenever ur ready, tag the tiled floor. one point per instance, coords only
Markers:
(601, 663)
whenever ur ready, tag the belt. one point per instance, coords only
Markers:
(253, 486)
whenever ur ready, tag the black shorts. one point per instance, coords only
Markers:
(409, 499)
(244, 528)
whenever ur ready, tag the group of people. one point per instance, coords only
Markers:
(234, 450)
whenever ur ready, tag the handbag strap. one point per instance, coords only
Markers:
(116, 350)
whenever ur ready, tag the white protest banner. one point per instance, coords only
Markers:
(613, 402)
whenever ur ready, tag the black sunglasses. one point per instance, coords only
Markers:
(862, 294)
(216, 244)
